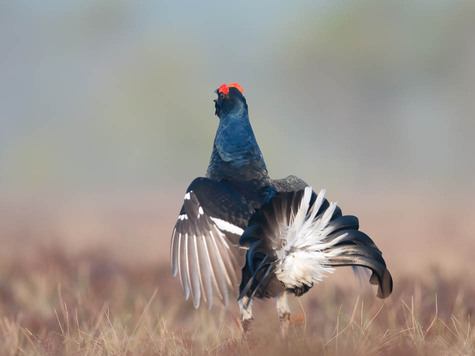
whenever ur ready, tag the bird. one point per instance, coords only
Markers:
(242, 234)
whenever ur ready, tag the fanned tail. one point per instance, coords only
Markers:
(297, 238)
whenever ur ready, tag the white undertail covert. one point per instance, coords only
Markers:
(302, 258)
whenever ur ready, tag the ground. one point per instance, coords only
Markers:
(90, 276)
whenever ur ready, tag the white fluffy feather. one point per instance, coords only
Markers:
(302, 259)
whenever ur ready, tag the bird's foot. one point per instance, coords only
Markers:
(284, 324)
(247, 336)
(246, 326)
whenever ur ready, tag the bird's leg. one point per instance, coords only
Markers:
(245, 307)
(283, 310)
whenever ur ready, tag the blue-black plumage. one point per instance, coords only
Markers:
(241, 233)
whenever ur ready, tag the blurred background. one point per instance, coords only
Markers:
(106, 116)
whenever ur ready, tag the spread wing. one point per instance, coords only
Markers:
(205, 250)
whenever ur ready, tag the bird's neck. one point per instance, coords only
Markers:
(236, 155)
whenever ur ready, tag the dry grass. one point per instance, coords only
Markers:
(94, 301)
(91, 305)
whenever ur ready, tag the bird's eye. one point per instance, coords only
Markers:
(221, 95)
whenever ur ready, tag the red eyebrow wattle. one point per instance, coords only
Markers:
(223, 89)
(237, 86)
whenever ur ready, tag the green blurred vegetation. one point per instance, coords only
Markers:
(119, 94)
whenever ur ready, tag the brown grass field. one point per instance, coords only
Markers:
(91, 276)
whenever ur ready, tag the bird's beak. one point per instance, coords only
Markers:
(216, 103)
(216, 107)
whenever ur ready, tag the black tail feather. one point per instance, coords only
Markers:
(340, 239)
(369, 258)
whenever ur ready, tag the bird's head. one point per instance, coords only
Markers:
(230, 100)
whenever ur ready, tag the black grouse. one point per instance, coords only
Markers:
(242, 233)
